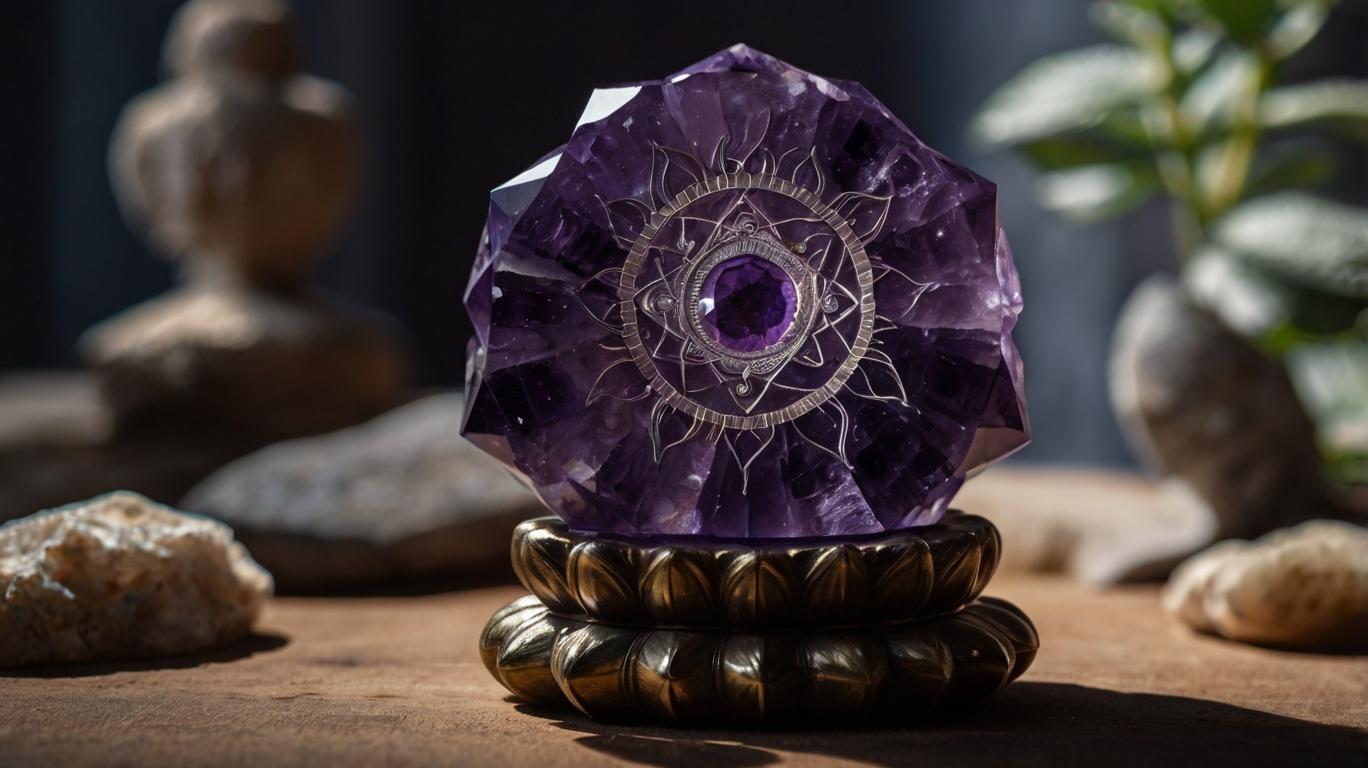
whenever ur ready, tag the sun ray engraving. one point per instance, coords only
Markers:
(709, 245)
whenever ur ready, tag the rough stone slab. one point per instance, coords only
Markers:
(403, 495)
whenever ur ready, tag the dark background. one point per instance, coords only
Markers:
(456, 97)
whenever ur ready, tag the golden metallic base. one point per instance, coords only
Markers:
(686, 631)
(763, 586)
(615, 672)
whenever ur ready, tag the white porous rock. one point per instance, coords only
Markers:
(1301, 587)
(1185, 595)
(120, 576)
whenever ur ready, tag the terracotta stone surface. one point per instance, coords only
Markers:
(398, 681)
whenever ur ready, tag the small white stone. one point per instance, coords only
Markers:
(1300, 587)
(1185, 595)
(119, 576)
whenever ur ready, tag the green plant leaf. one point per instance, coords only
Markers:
(1215, 94)
(1059, 152)
(1192, 48)
(1297, 27)
(1274, 313)
(1065, 92)
(1153, 6)
(1332, 382)
(1127, 126)
(1093, 192)
(1340, 102)
(1109, 144)
(1331, 377)
(1290, 165)
(1244, 20)
(1307, 239)
(1209, 168)
(1247, 298)
(1129, 23)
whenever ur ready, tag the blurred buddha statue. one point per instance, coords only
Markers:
(241, 170)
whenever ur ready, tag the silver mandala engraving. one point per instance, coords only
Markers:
(777, 213)
(753, 372)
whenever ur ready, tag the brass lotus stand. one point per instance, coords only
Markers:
(675, 631)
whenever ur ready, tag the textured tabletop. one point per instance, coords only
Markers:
(397, 681)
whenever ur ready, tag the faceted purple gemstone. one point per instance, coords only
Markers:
(747, 303)
(744, 301)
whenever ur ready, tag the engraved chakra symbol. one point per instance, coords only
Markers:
(744, 301)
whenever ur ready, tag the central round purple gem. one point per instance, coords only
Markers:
(747, 303)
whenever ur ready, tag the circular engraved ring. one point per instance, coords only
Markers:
(798, 273)
(613, 672)
(810, 301)
(657, 582)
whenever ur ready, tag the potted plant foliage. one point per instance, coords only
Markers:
(1247, 376)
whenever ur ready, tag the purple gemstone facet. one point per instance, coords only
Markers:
(747, 303)
(744, 301)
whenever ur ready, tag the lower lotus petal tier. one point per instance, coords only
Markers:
(620, 672)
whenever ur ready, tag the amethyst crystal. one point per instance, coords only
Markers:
(744, 301)
(747, 303)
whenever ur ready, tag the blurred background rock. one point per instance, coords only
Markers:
(240, 170)
(453, 98)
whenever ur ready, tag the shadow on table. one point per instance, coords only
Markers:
(1027, 724)
(248, 646)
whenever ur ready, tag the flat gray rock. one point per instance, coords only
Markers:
(401, 496)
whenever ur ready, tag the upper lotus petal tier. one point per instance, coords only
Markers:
(744, 301)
